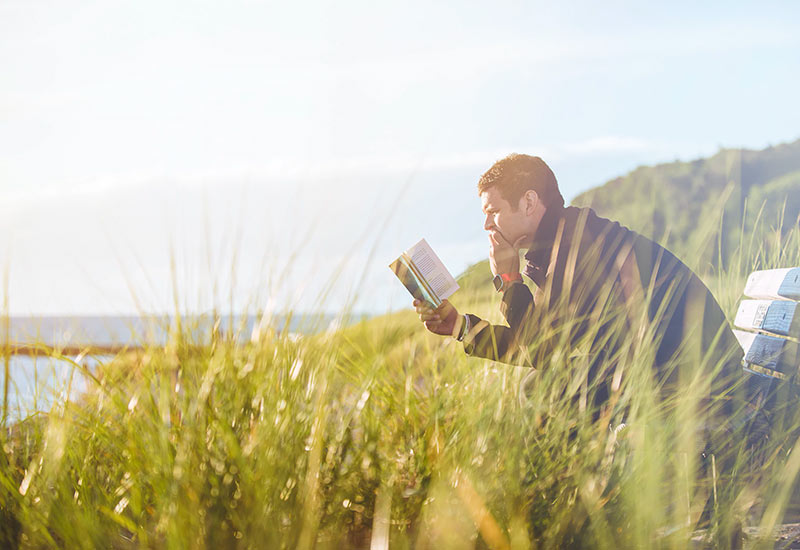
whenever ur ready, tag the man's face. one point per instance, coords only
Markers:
(503, 220)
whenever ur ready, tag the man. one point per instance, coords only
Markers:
(600, 289)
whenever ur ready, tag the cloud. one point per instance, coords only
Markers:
(604, 145)
(353, 170)
(562, 48)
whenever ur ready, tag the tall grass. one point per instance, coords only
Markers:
(379, 435)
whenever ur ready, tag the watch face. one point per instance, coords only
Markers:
(498, 283)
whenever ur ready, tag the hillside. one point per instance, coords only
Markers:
(684, 204)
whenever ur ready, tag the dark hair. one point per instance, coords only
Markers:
(515, 174)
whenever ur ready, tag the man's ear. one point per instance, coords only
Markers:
(530, 201)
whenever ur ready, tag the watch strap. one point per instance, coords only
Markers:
(464, 328)
(503, 280)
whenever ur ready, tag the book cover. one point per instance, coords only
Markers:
(424, 275)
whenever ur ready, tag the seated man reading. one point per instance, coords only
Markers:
(600, 289)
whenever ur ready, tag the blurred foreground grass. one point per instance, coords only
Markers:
(372, 436)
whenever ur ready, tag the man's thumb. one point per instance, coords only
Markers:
(519, 242)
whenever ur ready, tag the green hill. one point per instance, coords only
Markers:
(686, 205)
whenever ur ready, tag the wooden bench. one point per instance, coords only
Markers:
(769, 323)
(768, 329)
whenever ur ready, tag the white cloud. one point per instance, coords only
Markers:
(346, 171)
(559, 47)
(608, 145)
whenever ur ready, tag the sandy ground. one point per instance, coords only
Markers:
(785, 537)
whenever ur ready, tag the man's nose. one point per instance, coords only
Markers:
(487, 223)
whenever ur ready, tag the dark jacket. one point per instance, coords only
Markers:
(598, 285)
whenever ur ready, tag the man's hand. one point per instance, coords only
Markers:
(444, 320)
(504, 256)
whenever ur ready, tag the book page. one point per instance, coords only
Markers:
(432, 269)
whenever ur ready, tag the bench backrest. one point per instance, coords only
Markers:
(769, 323)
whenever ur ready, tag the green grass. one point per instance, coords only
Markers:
(332, 440)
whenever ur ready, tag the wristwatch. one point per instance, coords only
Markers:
(504, 280)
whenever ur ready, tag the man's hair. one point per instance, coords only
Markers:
(515, 174)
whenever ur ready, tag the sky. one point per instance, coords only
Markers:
(268, 155)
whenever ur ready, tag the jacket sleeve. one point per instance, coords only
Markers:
(500, 342)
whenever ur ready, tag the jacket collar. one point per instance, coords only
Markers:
(538, 255)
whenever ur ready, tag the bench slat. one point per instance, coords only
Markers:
(769, 352)
(775, 316)
(774, 284)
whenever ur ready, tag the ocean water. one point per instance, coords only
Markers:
(35, 383)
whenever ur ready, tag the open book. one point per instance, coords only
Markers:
(424, 275)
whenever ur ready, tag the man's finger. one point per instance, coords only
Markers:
(499, 240)
(433, 326)
(429, 316)
(443, 306)
(422, 310)
(503, 241)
